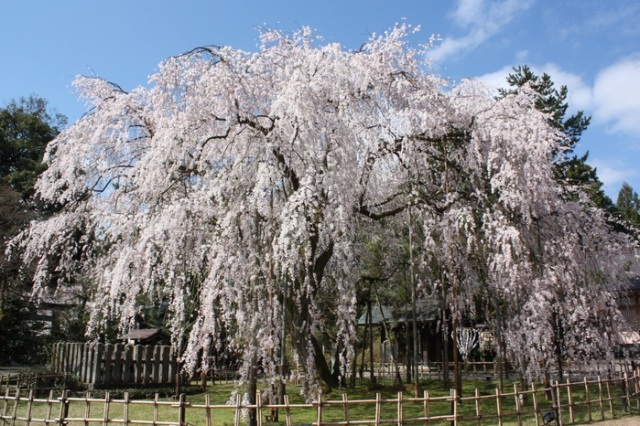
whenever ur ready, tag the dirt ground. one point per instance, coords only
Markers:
(626, 421)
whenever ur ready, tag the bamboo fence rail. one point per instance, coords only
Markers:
(563, 403)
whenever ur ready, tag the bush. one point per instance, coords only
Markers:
(41, 379)
(141, 392)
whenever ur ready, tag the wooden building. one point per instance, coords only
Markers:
(399, 321)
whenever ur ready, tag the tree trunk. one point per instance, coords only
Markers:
(558, 344)
(354, 365)
(252, 389)
(445, 339)
(407, 358)
(300, 335)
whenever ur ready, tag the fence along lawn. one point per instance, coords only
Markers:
(583, 401)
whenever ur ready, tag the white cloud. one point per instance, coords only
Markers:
(613, 100)
(580, 95)
(612, 173)
(497, 79)
(482, 19)
(616, 96)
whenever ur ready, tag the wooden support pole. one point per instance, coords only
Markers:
(478, 410)
(600, 402)
(319, 413)
(499, 405)
(627, 395)
(236, 419)
(587, 398)
(207, 403)
(425, 396)
(287, 411)
(572, 418)
(536, 410)
(517, 396)
(608, 384)
(345, 407)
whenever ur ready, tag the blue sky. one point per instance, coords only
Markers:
(592, 46)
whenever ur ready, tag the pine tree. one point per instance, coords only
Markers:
(572, 170)
(628, 205)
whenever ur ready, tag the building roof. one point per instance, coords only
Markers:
(426, 310)
(634, 283)
(629, 338)
(145, 335)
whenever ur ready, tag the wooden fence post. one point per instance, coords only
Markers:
(156, 364)
(478, 410)
(558, 404)
(236, 419)
(147, 352)
(456, 401)
(319, 414)
(172, 366)
(588, 396)
(572, 418)
(207, 404)
(107, 406)
(181, 410)
(64, 408)
(165, 360)
(16, 400)
(425, 395)
(86, 363)
(127, 353)
(96, 368)
(54, 359)
(108, 355)
(517, 396)
(125, 409)
(600, 403)
(116, 372)
(345, 407)
(626, 397)
(534, 397)
(608, 383)
(499, 405)
(287, 411)
(67, 357)
(258, 407)
(137, 362)
(78, 359)
(29, 406)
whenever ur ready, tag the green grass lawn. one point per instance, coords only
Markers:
(214, 404)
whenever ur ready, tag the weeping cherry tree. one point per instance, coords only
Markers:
(234, 187)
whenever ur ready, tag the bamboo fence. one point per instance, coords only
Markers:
(560, 403)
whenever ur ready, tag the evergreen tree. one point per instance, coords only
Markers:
(26, 126)
(628, 205)
(570, 169)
